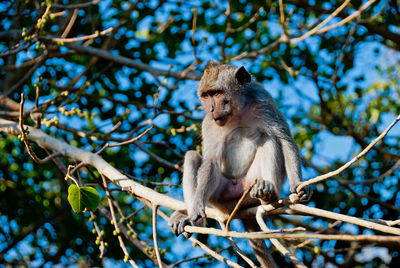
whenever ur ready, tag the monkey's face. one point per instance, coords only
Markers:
(220, 91)
(218, 105)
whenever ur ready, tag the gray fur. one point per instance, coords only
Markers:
(251, 143)
(238, 143)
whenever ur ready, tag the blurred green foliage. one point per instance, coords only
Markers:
(339, 90)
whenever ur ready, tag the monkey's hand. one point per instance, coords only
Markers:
(178, 221)
(304, 194)
(175, 221)
(263, 190)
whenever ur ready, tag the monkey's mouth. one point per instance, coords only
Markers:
(220, 121)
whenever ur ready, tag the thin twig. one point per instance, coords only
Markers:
(384, 175)
(271, 235)
(336, 216)
(132, 140)
(69, 177)
(156, 249)
(18, 48)
(251, 235)
(322, 24)
(347, 19)
(28, 74)
(238, 250)
(140, 244)
(77, 39)
(348, 164)
(238, 204)
(96, 227)
(24, 65)
(175, 264)
(25, 140)
(195, 241)
(116, 227)
(73, 6)
(253, 19)
(130, 62)
(157, 158)
(227, 30)
(194, 25)
(305, 243)
(70, 23)
(38, 115)
(39, 22)
(285, 252)
(281, 13)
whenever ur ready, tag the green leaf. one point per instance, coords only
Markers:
(81, 198)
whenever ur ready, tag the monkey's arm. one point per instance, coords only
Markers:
(207, 183)
(293, 167)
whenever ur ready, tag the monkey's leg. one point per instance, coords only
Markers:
(191, 165)
(268, 169)
(208, 183)
(258, 245)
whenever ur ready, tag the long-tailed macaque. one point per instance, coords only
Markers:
(245, 139)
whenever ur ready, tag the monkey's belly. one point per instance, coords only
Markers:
(234, 189)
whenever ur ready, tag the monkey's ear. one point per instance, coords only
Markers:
(242, 76)
(210, 64)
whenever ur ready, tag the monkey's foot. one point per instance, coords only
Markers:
(304, 195)
(178, 221)
(263, 190)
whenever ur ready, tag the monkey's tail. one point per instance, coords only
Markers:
(260, 249)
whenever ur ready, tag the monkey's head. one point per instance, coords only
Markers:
(220, 91)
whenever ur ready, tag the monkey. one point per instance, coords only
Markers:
(245, 139)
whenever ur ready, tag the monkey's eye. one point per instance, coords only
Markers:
(217, 92)
(225, 101)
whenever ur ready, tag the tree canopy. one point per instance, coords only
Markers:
(105, 92)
